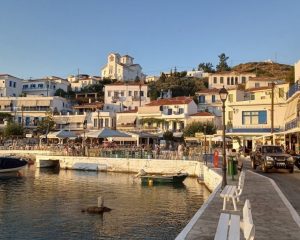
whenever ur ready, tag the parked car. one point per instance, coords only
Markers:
(271, 156)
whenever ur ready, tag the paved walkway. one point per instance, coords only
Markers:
(271, 217)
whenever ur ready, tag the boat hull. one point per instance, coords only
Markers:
(9, 164)
(179, 178)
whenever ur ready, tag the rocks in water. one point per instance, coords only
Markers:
(96, 210)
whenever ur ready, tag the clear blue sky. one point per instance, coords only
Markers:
(55, 37)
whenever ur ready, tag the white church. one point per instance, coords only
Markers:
(122, 68)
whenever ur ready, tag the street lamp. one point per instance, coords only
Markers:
(204, 131)
(223, 96)
(83, 140)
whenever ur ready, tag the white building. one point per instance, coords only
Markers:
(45, 86)
(257, 82)
(151, 79)
(125, 96)
(196, 74)
(29, 110)
(297, 71)
(228, 79)
(10, 86)
(81, 81)
(121, 68)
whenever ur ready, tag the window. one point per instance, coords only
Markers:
(252, 96)
(215, 79)
(201, 99)
(10, 83)
(180, 110)
(106, 122)
(221, 80)
(122, 94)
(254, 117)
(15, 84)
(281, 92)
(256, 85)
(236, 80)
(230, 97)
(169, 111)
(243, 80)
(40, 85)
(232, 80)
(136, 93)
(95, 122)
(27, 121)
(129, 93)
(142, 93)
(213, 98)
(230, 115)
(228, 80)
(109, 93)
(25, 86)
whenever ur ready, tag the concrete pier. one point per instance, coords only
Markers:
(273, 217)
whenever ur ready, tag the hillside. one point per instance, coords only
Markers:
(267, 69)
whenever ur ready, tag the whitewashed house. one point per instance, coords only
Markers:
(10, 86)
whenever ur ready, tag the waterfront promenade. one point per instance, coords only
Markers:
(272, 215)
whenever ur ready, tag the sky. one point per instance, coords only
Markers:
(57, 37)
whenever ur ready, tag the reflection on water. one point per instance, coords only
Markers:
(46, 204)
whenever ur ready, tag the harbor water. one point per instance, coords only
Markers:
(46, 204)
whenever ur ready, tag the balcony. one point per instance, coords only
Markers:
(292, 124)
(293, 89)
(253, 129)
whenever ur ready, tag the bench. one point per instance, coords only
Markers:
(233, 192)
(229, 225)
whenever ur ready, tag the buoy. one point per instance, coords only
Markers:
(97, 209)
(100, 202)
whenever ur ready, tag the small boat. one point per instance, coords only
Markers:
(175, 178)
(11, 164)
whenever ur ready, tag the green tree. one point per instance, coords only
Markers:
(60, 92)
(223, 66)
(13, 129)
(194, 127)
(47, 124)
(206, 67)
(168, 136)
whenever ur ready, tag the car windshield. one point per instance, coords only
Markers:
(272, 149)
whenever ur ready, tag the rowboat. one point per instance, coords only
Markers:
(175, 178)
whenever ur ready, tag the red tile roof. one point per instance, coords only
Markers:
(258, 89)
(262, 79)
(130, 111)
(202, 114)
(171, 101)
(208, 90)
(125, 83)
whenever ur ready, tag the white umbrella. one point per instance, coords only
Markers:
(104, 133)
(220, 139)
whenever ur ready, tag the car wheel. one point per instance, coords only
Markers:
(264, 167)
(253, 165)
(291, 170)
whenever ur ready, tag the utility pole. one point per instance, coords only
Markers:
(140, 93)
(272, 111)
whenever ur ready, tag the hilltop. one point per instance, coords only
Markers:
(267, 69)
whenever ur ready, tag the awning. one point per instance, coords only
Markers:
(28, 103)
(220, 139)
(128, 119)
(124, 139)
(43, 103)
(291, 110)
(104, 133)
(5, 102)
(60, 134)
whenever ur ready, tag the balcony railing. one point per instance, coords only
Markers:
(292, 124)
(293, 89)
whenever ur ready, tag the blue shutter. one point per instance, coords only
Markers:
(213, 98)
(262, 117)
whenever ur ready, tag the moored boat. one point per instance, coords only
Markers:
(175, 178)
(11, 164)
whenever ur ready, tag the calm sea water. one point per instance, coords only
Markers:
(46, 204)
